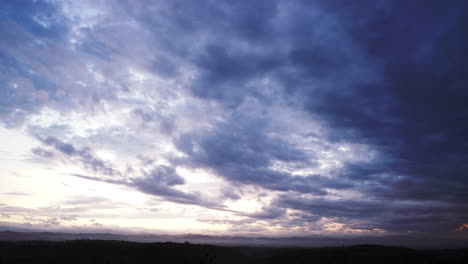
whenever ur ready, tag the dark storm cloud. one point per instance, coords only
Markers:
(391, 75)
(187, 31)
(225, 74)
(231, 56)
(230, 193)
(241, 151)
(391, 215)
(160, 181)
(268, 213)
(414, 113)
(180, 19)
(388, 75)
(165, 175)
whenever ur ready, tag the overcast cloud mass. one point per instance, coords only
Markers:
(235, 117)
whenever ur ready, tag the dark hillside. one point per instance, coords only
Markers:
(107, 252)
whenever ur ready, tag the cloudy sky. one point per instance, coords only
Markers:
(235, 117)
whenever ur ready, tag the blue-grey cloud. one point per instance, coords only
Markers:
(40, 18)
(161, 189)
(387, 75)
(412, 113)
(42, 62)
(23, 22)
(241, 151)
(157, 180)
(390, 215)
(268, 213)
(83, 155)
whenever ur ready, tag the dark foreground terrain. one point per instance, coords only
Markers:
(101, 251)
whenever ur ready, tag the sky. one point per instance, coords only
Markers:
(278, 118)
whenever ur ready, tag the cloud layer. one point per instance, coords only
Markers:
(317, 114)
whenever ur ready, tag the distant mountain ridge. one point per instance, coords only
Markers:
(306, 241)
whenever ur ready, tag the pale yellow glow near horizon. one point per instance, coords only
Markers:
(51, 193)
(343, 228)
